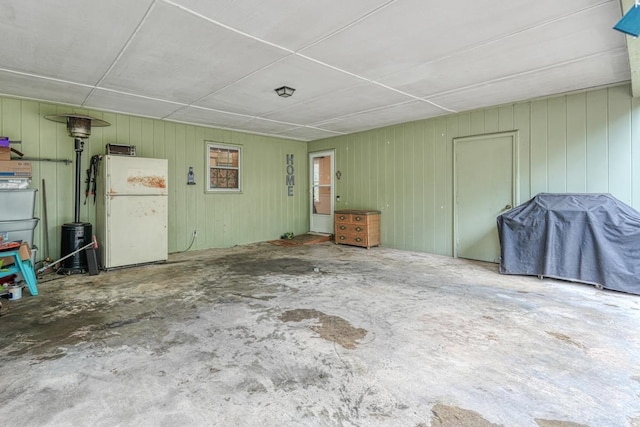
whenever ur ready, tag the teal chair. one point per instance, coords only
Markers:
(20, 266)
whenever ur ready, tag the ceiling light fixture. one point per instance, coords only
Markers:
(630, 22)
(285, 91)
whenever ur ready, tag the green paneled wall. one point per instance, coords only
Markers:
(582, 142)
(262, 212)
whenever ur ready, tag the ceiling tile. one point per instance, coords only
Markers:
(591, 72)
(122, 103)
(289, 23)
(332, 105)
(180, 57)
(308, 133)
(411, 32)
(559, 41)
(209, 118)
(266, 126)
(77, 41)
(255, 94)
(409, 111)
(43, 89)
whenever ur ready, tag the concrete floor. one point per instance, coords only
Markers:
(320, 335)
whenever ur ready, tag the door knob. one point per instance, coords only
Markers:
(506, 208)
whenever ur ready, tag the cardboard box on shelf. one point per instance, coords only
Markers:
(15, 169)
(5, 153)
(25, 254)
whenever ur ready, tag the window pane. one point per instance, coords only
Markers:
(224, 178)
(224, 158)
(321, 173)
(322, 200)
(224, 167)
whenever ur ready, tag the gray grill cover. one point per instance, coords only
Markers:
(591, 238)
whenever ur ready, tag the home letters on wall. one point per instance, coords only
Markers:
(290, 175)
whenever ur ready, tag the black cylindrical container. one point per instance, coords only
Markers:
(74, 236)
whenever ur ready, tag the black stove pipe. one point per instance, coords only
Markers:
(79, 145)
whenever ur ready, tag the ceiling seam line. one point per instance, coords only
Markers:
(239, 80)
(277, 121)
(315, 128)
(245, 115)
(37, 76)
(150, 98)
(108, 110)
(31, 98)
(227, 27)
(166, 116)
(273, 135)
(357, 113)
(417, 98)
(124, 48)
(349, 25)
(323, 130)
(501, 38)
(524, 73)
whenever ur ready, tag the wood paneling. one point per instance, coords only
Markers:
(597, 142)
(588, 141)
(582, 142)
(620, 147)
(576, 143)
(221, 220)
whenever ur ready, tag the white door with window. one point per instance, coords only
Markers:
(485, 186)
(321, 167)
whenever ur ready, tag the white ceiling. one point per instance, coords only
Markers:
(355, 64)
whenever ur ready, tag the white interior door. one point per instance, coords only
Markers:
(484, 187)
(321, 167)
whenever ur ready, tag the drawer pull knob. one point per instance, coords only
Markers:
(342, 217)
(358, 218)
(342, 227)
(358, 228)
(358, 239)
(342, 237)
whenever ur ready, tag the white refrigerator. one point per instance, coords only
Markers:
(132, 211)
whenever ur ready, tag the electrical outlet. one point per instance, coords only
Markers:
(195, 233)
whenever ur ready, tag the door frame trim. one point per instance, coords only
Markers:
(515, 177)
(332, 153)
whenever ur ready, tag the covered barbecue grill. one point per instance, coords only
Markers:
(590, 238)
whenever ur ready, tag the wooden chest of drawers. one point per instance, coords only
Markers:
(357, 227)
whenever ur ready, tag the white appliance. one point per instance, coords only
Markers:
(132, 211)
